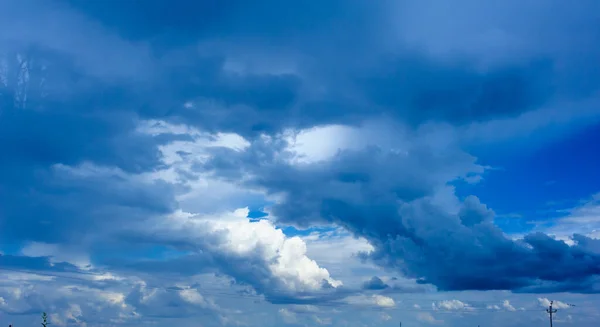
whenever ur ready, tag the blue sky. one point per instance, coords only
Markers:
(343, 163)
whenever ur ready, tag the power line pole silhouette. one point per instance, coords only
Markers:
(551, 312)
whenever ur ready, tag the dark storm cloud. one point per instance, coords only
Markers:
(442, 251)
(418, 89)
(392, 199)
(407, 83)
(69, 119)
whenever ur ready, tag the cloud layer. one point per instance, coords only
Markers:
(171, 145)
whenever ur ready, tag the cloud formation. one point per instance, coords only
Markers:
(142, 141)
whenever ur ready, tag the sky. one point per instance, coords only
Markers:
(299, 163)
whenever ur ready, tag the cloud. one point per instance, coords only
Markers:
(25, 294)
(506, 305)
(584, 218)
(131, 136)
(152, 302)
(254, 253)
(492, 307)
(375, 283)
(544, 302)
(384, 301)
(288, 316)
(385, 316)
(426, 317)
(410, 233)
(373, 300)
(451, 305)
(86, 299)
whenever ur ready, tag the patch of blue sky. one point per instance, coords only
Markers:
(11, 248)
(539, 184)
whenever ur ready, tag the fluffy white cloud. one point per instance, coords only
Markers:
(236, 236)
(506, 305)
(451, 305)
(544, 302)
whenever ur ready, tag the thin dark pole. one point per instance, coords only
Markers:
(551, 312)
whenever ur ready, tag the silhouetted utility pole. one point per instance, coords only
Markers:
(551, 312)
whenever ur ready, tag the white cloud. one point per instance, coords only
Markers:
(196, 147)
(286, 256)
(336, 250)
(373, 300)
(321, 143)
(68, 300)
(506, 305)
(384, 301)
(451, 305)
(544, 302)
(201, 192)
(426, 317)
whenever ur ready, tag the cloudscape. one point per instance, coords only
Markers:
(297, 162)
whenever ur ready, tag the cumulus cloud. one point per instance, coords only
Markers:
(373, 300)
(506, 305)
(451, 305)
(232, 235)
